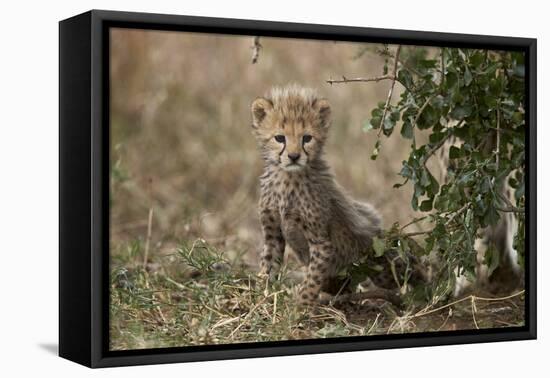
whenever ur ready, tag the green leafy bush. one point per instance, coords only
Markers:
(476, 97)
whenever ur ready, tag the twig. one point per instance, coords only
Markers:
(342, 287)
(375, 79)
(256, 47)
(416, 220)
(498, 299)
(411, 234)
(446, 320)
(439, 144)
(223, 322)
(435, 148)
(469, 297)
(177, 284)
(511, 209)
(474, 310)
(505, 323)
(342, 317)
(497, 152)
(387, 295)
(456, 213)
(274, 309)
(252, 311)
(442, 67)
(161, 314)
(149, 226)
(422, 109)
(390, 93)
(373, 324)
(148, 239)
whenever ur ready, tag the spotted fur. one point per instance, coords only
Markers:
(300, 204)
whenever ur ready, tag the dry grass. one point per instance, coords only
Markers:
(184, 168)
(197, 296)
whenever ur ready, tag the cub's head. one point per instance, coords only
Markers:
(291, 125)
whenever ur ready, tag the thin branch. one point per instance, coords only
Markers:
(411, 234)
(436, 147)
(375, 79)
(335, 313)
(373, 324)
(416, 220)
(497, 152)
(149, 224)
(442, 82)
(511, 209)
(256, 47)
(474, 310)
(422, 109)
(456, 213)
(403, 62)
(385, 294)
(148, 237)
(390, 93)
(469, 297)
(446, 320)
(342, 287)
(252, 310)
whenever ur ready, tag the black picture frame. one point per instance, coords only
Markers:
(84, 191)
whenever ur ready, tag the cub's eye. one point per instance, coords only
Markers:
(307, 138)
(280, 138)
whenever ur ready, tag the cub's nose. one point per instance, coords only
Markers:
(293, 156)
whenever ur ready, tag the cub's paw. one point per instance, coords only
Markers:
(263, 273)
(307, 298)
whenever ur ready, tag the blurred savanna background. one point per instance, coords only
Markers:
(181, 129)
(185, 234)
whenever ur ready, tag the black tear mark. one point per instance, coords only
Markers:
(304, 147)
(283, 150)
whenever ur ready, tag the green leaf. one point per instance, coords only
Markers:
(368, 126)
(467, 77)
(379, 246)
(395, 116)
(425, 178)
(403, 248)
(415, 248)
(407, 130)
(375, 122)
(389, 123)
(485, 184)
(405, 77)
(441, 203)
(520, 191)
(476, 59)
(406, 171)
(491, 259)
(374, 154)
(454, 152)
(430, 241)
(426, 205)
(461, 112)
(414, 202)
(491, 216)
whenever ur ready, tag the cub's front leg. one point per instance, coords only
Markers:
(321, 250)
(272, 253)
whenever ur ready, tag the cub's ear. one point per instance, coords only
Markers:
(323, 109)
(260, 108)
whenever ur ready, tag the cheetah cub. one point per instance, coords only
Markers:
(300, 203)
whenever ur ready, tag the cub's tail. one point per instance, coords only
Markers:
(371, 215)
